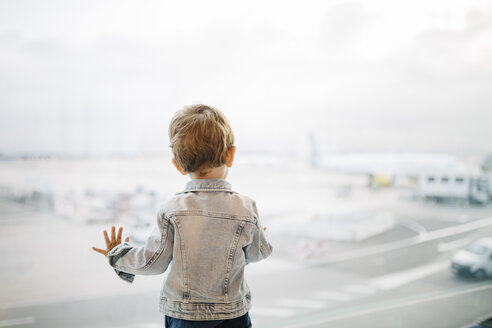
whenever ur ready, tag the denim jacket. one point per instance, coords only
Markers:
(208, 233)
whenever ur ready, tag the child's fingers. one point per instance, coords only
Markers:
(102, 251)
(113, 234)
(127, 239)
(118, 240)
(106, 238)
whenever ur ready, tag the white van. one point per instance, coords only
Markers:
(475, 260)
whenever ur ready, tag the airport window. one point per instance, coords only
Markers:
(369, 201)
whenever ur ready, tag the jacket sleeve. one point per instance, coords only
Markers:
(152, 258)
(259, 248)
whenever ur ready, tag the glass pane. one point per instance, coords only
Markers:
(362, 132)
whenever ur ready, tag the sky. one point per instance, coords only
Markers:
(102, 77)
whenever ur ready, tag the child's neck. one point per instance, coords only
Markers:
(210, 173)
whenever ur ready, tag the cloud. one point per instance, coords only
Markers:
(367, 71)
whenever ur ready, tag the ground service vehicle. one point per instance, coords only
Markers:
(475, 260)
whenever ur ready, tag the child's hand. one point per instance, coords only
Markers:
(110, 244)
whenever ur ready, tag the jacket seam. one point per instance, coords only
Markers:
(173, 308)
(215, 215)
(205, 189)
(184, 262)
(232, 255)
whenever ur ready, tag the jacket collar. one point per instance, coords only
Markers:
(208, 185)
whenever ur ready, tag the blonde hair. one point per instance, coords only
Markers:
(199, 137)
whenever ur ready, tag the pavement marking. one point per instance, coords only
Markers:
(401, 278)
(334, 296)
(272, 311)
(392, 246)
(452, 245)
(17, 322)
(414, 226)
(302, 303)
(360, 289)
(313, 319)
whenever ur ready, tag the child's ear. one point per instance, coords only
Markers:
(230, 156)
(178, 167)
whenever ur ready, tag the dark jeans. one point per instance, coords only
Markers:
(240, 322)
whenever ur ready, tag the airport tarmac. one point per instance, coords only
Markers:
(400, 277)
(51, 278)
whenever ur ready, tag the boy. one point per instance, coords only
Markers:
(208, 231)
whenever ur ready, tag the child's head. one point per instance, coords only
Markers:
(200, 137)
